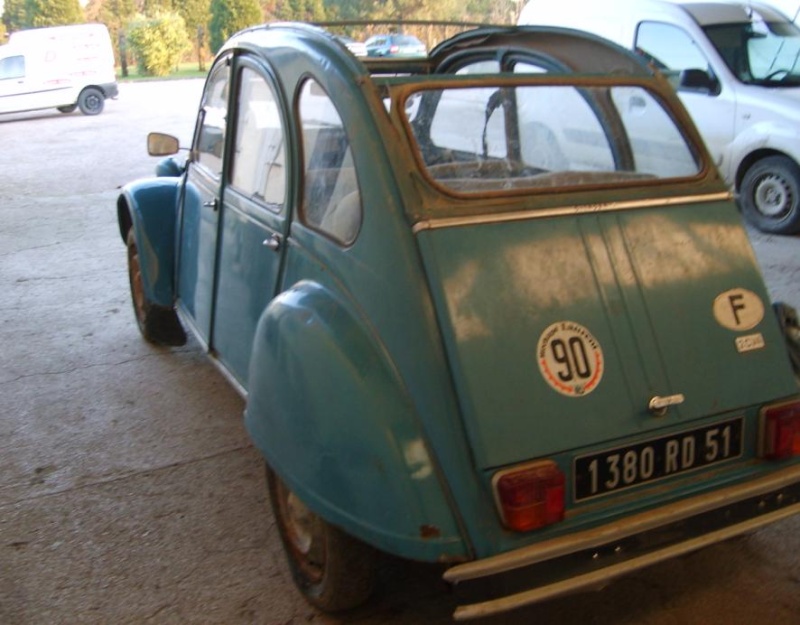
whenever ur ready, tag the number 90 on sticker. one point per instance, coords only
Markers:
(570, 358)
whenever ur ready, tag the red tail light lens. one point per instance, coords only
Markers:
(530, 497)
(781, 431)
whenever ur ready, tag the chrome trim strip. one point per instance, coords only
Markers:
(595, 537)
(582, 209)
(601, 577)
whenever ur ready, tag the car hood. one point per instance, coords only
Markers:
(561, 331)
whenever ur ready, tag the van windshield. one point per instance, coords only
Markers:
(523, 138)
(759, 52)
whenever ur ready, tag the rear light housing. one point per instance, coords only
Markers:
(780, 431)
(530, 496)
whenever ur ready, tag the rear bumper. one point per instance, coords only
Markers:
(594, 557)
(110, 90)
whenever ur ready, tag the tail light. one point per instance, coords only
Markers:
(393, 49)
(530, 496)
(781, 431)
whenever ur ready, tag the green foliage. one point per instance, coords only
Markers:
(300, 10)
(54, 12)
(15, 15)
(3, 34)
(229, 17)
(158, 42)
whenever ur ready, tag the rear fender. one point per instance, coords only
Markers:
(332, 417)
(150, 207)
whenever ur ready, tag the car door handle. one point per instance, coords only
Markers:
(212, 204)
(273, 243)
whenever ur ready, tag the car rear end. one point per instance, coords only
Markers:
(623, 383)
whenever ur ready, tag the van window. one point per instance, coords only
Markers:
(12, 67)
(759, 52)
(669, 47)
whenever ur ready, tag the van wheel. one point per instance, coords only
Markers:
(159, 325)
(91, 101)
(770, 195)
(334, 571)
(68, 109)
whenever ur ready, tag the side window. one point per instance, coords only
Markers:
(669, 47)
(259, 156)
(12, 67)
(560, 130)
(331, 198)
(210, 141)
(471, 122)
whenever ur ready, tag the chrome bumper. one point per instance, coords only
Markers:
(594, 557)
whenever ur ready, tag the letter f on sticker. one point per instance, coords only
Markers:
(736, 306)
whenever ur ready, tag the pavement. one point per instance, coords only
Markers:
(129, 490)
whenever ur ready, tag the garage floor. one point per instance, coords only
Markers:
(129, 491)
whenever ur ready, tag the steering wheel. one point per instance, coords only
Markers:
(776, 73)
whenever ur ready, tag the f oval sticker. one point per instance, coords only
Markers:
(570, 358)
(738, 310)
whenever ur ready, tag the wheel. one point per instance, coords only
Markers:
(334, 571)
(157, 324)
(770, 195)
(91, 101)
(68, 109)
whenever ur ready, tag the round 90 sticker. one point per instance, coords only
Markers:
(570, 358)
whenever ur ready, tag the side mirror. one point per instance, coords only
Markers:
(698, 80)
(160, 144)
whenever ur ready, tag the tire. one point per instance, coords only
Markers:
(158, 325)
(332, 570)
(91, 101)
(67, 109)
(770, 195)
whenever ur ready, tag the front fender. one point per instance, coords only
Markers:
(769, 136)
(150, 207)
(332, 417)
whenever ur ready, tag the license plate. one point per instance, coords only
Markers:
(615, 469)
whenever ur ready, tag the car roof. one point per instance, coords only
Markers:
(567, 50)
(710, 13)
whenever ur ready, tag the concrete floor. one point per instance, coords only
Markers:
(129, 491)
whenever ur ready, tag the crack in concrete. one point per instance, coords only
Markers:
(89, 366)
(127, 476)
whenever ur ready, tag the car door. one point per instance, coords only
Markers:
(253, 216)
(13, 87)
(674, 50)
(201, 201)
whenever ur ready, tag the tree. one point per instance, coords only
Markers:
(158, 42)
(15, 15)
(54, 12)
(229, 17)
(196, 14)
(300, 10)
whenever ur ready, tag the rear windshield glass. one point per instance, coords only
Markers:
(510, 138)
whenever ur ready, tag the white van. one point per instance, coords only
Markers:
(63, 67)
(736, 67)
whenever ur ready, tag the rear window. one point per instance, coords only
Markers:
(506, 138)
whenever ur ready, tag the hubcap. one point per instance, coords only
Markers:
(137, 288)
(305, 534)
(773, 196)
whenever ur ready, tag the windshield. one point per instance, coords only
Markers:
(759, 52)
(515, 138)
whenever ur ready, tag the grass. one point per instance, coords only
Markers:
(184, 70)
